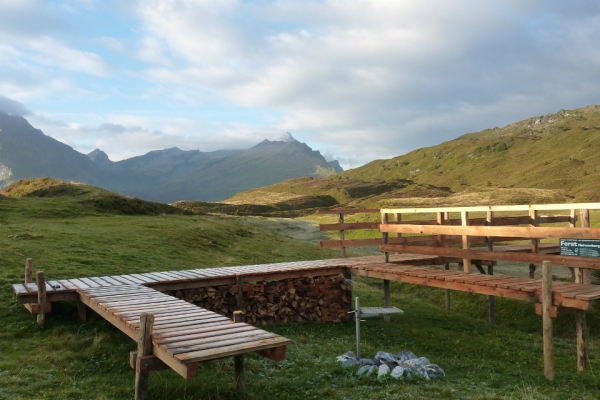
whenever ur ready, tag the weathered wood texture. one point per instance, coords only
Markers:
(547, 320)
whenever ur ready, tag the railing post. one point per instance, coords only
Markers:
(582, 276)
(398, 219)
(342, 235)
(490, 268)
(535, 219)
(465, 241)
(385, 236)
(447, 268)
(547, 320)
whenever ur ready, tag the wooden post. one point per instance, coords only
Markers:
(447, 267)
(465, 241)
(581, 328)
(585, 223)
(28, 270)
(572, 224)
(144, 349)
(386, 298)
(41, 286)
(239, 296)
(398, 219)
(490, 268)
(547, 320)
(535, 221)
(81, 311)
(342, 234)
(385, 237)
(239, 373)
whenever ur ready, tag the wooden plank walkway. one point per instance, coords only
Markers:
(183, 334)
(67, 289)
(565, 294)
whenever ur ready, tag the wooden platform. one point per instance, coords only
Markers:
(67, 289)
(183, 334)
(569, 295)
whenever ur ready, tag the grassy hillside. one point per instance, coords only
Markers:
(557, 151)
(67, 359)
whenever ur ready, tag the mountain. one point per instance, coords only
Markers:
(163, 175)
(25, 152)
(550, 158)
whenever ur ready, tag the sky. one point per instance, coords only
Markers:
(357, 80)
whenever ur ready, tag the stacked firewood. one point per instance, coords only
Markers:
(324, 298)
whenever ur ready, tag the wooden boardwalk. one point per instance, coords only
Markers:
(67, 289)
(183, 334)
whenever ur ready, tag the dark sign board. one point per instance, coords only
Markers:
(580, 247)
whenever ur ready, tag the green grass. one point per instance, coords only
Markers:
(67, 359)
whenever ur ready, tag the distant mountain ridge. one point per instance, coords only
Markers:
(163, 175)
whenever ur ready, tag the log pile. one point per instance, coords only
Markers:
(323, 298)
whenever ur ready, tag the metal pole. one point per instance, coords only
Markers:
(357, 315)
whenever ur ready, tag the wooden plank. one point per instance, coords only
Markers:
(89, 282)
(190, 325)
(20, 289)
(144, 349)
(234, 349)
(218, 349)
(220, 341)
(572, 261)
(498, 231)
(158, 338)
(196, 338)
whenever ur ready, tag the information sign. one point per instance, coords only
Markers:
(580, 247)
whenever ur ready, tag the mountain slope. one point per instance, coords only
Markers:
(25, 152)
(163, 175)
(557, 151)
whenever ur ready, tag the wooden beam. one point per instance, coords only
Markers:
(144, 349)
(490, 269)
(342, 235)
(497, 231)
(574, 261)
(539, 207)
(148, 363)
(464, 216)
(239, 296)
(28, 270)
(41, 285)
(547, 320)
(385, 236)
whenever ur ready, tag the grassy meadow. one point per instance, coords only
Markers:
(75, 231)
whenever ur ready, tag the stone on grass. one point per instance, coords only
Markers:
(416, 362)
(405, 355)
(366, 361)
(383, 370)
(397, 372)
(372, 369)
(348, 359)
(386, 358)
(363, 369)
